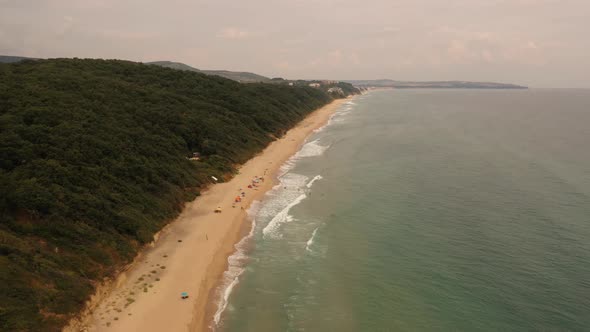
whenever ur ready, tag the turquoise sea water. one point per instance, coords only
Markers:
(426, 210)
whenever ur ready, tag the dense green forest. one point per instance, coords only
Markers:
(94, 160)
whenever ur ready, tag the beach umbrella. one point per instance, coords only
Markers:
(184, 295)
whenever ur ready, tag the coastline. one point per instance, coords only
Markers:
(191, 254)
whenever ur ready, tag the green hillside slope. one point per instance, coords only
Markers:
(174, 65)
(94, 161)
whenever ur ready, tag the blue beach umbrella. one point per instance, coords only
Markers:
(184, 295)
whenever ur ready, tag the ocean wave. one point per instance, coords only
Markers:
(316, 178)
(286, 167)
(236, 266)
(311, 149)
(289, 187)
(310, 241)
(344, 109)
(225, 301)
(271, 229)
(338, 117)
(328, 123)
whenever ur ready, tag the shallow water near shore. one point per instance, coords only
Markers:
(425, 210)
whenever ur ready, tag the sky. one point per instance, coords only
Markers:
(539, 43)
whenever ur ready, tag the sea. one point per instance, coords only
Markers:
(425, 210)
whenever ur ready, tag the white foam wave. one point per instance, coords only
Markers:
(252, 211)
(316, 178)
(311, 149)
(344, 109)
(225, 299)
(310, 241)
(271, 230)
(289, 187)
(328, 123)
(337, 117)
(324, 126)
(287, 166)
(235, 268)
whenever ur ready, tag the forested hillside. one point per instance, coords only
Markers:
(94, 160)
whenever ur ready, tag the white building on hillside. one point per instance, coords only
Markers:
(336, 90)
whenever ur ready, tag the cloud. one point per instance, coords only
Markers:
(472, 47)
(232, 33)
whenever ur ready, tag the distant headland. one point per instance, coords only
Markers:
(387, 83)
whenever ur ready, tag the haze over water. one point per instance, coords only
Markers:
(427, 210)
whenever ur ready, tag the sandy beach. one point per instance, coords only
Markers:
(190, 255)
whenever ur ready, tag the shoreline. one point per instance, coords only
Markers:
(191, 253)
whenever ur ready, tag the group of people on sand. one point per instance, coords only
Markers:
(253, 185)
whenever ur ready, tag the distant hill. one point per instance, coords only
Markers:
(174, 65)
(244, 77)
(433, 84)
(12, 59)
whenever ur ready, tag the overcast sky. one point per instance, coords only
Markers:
(540, 43)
